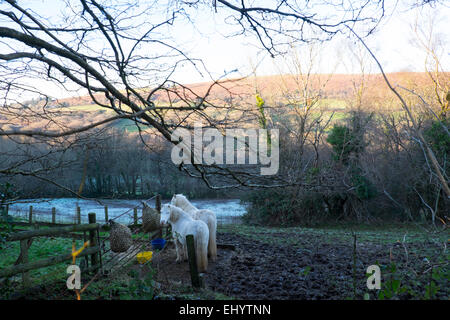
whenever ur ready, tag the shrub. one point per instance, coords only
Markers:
(364, 189)
(284, 207)
(439, 138)
(343, 142)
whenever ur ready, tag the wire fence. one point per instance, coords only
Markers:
(61, 215)
(112, 263)
(115, 262)
(63, 211)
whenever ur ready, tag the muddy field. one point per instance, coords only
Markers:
(290, 263)
(310, 269)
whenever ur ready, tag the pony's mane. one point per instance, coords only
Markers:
(183, 201)
(176, 212)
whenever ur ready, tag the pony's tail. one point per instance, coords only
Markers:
(212, 245)
(201, 248)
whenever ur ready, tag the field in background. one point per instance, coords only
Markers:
(336, 95)
(227, 210)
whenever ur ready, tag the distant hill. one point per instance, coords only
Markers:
(275, 89)
(335, 93)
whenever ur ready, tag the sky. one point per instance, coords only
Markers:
(392, 43)
(206, 40)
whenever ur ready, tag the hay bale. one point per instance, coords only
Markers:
(150, 218)
(119, 237)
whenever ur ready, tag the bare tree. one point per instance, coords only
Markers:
(302, 89)
(433, 44)
(122, 55)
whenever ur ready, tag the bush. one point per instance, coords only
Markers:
(344, 142)
(284, 207)
(364, 189)
(7, 192)
(439, 138)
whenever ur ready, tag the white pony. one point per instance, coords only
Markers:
(205, 215)
(182, 224)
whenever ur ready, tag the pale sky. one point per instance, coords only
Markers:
(206, 41)
(391, 44)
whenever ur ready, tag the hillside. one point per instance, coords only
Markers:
(335, 92)
(337, 86)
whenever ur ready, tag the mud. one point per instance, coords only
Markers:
(313, 269)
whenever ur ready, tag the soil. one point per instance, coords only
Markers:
(313, 269)
(304, 267)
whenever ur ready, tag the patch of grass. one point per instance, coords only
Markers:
(332, 103)
(87, 107)
(107, 289)
(342, 233)
(41, 248)
(126, 124)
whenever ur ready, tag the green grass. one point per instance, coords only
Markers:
(128, 125)
(332, 103)
(41, 248)
(331, 234)
(86, 107)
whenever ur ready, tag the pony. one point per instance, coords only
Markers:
(182, 224)
(205, 215)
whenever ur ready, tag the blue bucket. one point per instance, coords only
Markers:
(158, 244)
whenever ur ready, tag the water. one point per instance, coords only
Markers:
(227, 210)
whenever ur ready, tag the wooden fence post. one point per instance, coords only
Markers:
(158, 203)
(30, 215)
(24, 255)
(53, 215)
(93, 239)
(106, 213)
(78, 215)
(86, 258)
(195, 279)
(158, 208)
(135, 216)
(7, 209)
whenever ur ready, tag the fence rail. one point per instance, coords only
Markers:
(25, 237)
(52, 232)
(25, 267)
(94, 251)
(39, 223)
(76, 218)
(92, 230)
